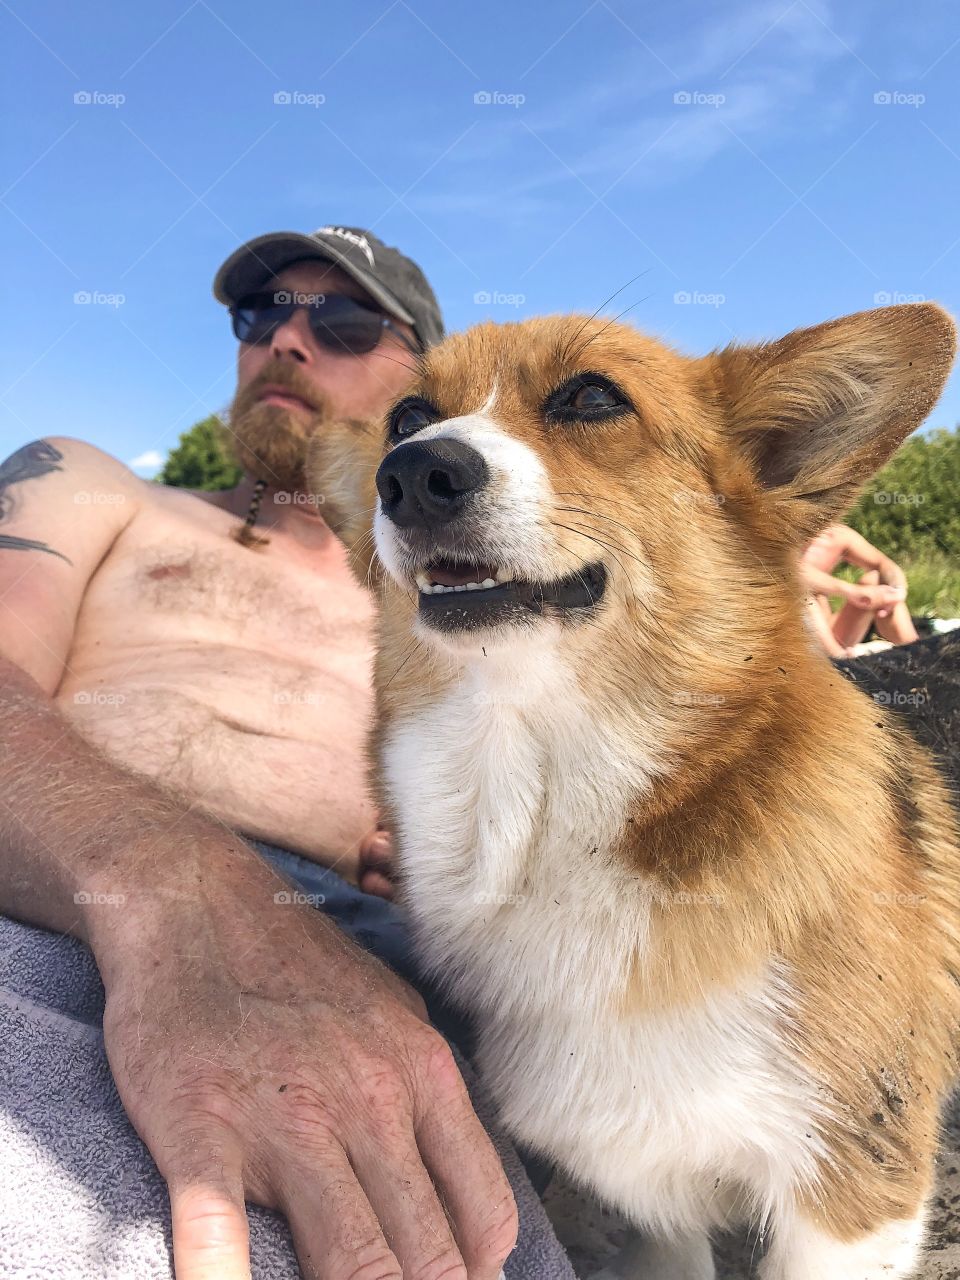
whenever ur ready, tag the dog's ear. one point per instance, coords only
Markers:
(816, 413)
(340, 470)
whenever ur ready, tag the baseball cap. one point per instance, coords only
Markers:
(392, 279)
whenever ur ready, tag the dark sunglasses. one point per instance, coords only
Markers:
(340, 323)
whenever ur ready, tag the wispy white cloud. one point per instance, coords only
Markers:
(149, 461)
(765, 62)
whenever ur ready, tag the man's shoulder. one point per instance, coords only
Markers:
(79, 456)
(89, 464)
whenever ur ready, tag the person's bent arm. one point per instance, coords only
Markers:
(258, 1052)
(858, 551)
(862, 595)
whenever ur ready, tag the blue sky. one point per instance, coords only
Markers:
(759, 165)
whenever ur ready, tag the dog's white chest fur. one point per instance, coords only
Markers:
(511, 792)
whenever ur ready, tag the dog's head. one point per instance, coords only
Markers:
(566, 473)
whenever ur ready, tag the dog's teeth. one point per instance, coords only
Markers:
(428, 588)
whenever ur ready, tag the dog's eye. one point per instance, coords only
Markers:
(410, 416)
(587, 397)
(591, 395)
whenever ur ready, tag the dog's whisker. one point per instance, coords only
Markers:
(600, 332)
(564, 357)
(576, 573)
(639, 604)
(663, 585)
(592, 536)
(599, 516)
(417, 644)
(615, 543)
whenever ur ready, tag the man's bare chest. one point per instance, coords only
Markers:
(180, 576)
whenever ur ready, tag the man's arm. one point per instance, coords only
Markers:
(69, 819)
(258, 1052)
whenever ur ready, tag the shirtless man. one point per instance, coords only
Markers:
(165, 685)
(879, 596)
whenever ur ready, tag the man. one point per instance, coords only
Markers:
(878, 598)
(176, 668)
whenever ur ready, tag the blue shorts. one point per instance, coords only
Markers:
(381, 928)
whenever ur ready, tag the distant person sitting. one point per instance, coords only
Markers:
(878, 598)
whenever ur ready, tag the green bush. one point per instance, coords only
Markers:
(912, 506)
(202, 459)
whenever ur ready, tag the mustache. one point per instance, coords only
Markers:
(278, 373)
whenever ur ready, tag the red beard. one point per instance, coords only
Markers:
(269, 440)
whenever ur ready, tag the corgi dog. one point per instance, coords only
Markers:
(700, 894)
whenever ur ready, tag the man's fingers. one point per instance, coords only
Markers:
(377, 884)
(335, 1231)
(410, 1213)
(211, 1236)
(467, 1171)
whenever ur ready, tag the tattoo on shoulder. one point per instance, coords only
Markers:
(29, 463)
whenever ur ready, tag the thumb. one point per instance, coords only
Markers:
(211, 1236)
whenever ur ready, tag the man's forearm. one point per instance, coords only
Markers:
(79, 835)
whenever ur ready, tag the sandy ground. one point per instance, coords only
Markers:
(593, 1234)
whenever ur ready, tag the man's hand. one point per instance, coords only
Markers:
(261, 1055)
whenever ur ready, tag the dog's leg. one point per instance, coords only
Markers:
(689, 1258)
(801, 1251)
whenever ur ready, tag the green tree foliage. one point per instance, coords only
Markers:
(912, 506)
(202, 459)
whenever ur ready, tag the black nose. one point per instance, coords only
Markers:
(428, 483)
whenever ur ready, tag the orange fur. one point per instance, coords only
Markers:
(796, 820)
